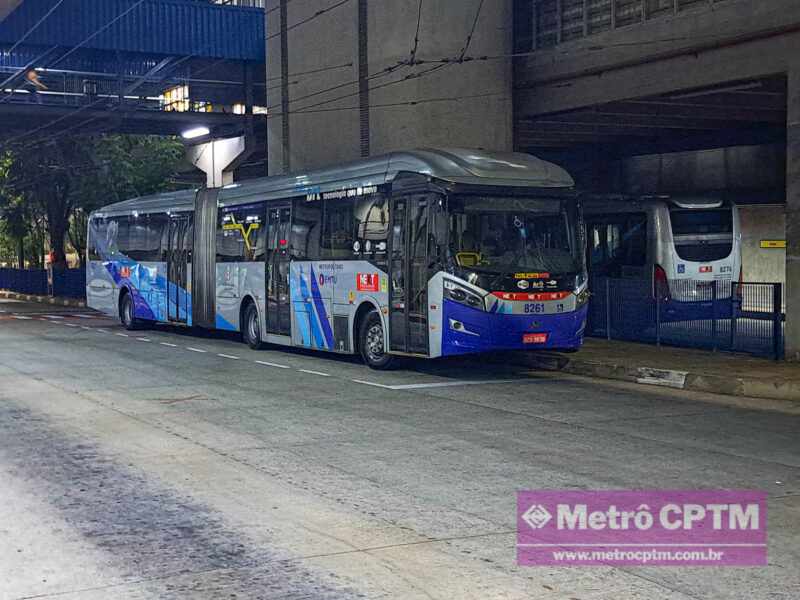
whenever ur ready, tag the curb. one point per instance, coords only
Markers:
(684, 380)
(44, 299)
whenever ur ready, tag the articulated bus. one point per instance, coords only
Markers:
(425, 253)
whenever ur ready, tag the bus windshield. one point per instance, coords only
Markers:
(504, 235)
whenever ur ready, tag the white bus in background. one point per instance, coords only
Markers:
(682, 244)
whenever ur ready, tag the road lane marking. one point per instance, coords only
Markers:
(373, 384)
(421, 386)
(84, 316)
(53, 317)
(168, 345)
(70, 325)
(228, 356)
(313, 372)
(21, 318)
(195, 349)
(270, 364)
(122, 334)
(144, 339)
(101, 330)
(86, 328)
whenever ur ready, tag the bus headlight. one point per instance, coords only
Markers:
(582, 293)
(460, 294)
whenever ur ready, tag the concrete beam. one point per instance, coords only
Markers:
(793, 215)
(748, 60)
(724, 24)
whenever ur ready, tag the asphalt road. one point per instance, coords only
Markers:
(168, 464)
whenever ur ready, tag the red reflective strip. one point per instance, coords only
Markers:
(537, 297)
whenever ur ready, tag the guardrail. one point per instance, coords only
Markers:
(713, 315)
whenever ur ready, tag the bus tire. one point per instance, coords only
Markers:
(372, 342)
(127, 314)
(251, 327)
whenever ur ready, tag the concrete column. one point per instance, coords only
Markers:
(352, 86)
(218, 158)
(793, 215)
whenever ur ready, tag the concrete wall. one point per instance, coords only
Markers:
(466, 104)
(747, 174)
(763, 223)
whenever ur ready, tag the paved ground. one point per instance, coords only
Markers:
(167, 465)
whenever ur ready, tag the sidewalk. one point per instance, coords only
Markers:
(72, 302)
(697, 370)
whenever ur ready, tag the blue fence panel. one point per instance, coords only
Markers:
(70, 283)
(714, 315)
(29, 281)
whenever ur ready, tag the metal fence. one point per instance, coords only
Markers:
(70, 283)
(714, 315)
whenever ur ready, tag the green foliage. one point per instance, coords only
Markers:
(54, 186)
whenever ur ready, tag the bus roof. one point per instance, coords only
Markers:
(455, 165)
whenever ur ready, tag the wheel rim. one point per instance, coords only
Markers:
(374, 342)
(128, 311)
(252, 327)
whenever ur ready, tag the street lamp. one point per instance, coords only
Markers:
(195, 132)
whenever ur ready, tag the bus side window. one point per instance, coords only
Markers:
(306, 230)
(372, 229)
(337, 232)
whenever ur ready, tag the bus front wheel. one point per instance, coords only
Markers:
(372, 344)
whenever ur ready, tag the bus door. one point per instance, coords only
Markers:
(408, 273)
(279, 318)
(179, 258)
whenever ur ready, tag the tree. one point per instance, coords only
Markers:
(12, 212)
(60, 182)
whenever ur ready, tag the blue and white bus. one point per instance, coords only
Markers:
(685, 249)
(426, 253)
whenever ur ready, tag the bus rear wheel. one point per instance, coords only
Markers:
(372, 344)
(127, 314)
(251, 327)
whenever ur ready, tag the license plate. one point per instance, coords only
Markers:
(534, 338)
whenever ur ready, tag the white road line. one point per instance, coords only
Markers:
(70, 325)
(228, 356)
(313, 372)
(143, 339)
(84, 316)
(168, 345)
(420, 386)
(380, 385)
(53, 317)
(269, 364)
(122, 334)
(101, 330)
(21, 318)
(195, 349)
(41, 319)
(86, 328)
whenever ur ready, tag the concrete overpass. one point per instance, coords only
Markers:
(602, 81)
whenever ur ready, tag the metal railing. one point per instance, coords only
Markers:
(713, 315)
